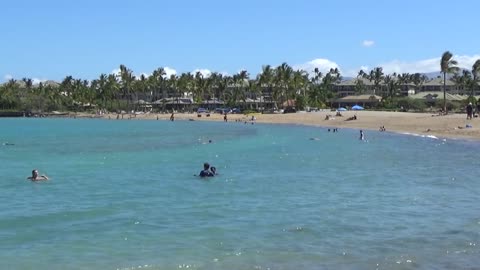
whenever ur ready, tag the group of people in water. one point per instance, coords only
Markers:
(208, 171)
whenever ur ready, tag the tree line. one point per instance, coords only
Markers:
(279, 84)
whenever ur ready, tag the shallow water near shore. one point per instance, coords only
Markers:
(122, 195)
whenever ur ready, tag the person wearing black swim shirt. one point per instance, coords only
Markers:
(206, 171)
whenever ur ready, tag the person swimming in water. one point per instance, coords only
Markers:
(206, 172)
(213, 170)
(36, 177)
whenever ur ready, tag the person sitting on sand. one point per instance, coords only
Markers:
(36, 177)
(351, 118)
(206, 171)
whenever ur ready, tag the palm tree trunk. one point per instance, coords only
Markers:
(445, 92)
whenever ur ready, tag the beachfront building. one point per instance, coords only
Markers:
(359, 86)
(436, 85)
(353, 87)
(433, 96)
(366, 101)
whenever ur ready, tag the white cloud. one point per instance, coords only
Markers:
(169, 71)
(368, 43)
(205, 72)
(426, 65)
(116, 72)
(34, 80)
(323, 65)
(224, 73)
(354, 72)
(37, 80)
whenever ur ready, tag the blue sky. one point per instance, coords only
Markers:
(52, 39)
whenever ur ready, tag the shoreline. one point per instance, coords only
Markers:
(453, 126)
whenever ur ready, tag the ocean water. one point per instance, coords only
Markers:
(123, 195)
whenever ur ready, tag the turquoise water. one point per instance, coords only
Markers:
(122, 195)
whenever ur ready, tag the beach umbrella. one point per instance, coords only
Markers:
(341, 109)
(357, 108)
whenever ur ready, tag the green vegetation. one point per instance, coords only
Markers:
(273, 87)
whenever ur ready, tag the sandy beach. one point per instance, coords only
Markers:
(428, 124)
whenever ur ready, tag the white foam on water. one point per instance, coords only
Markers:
(420, 135)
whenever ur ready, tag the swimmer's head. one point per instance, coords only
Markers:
(34, 173)
(213, 169)
(206, 166)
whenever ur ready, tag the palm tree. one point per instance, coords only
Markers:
(392, 84)
(404, 80)
(376, 75)
(199, 87)
(300, 82)
(317, 75)
(362, 74)
(28, 84)
(463, 80)
(418, 80)
(283, 76)
(173, 85)
(475, 73)
(447, 65)
(112, 87)
(243, 77)
(265, 80)
(331, 78)
(224, 82)
(126, 80)
(359, 86)
(186, 83)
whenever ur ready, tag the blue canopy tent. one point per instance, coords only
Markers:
(341, 109)
(357, 108)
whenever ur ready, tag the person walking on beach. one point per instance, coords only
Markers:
(225, 117)
(469, 111)
(36, 177)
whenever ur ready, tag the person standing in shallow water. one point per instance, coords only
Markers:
(172, 117)
(206, 171)
(362, 136)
